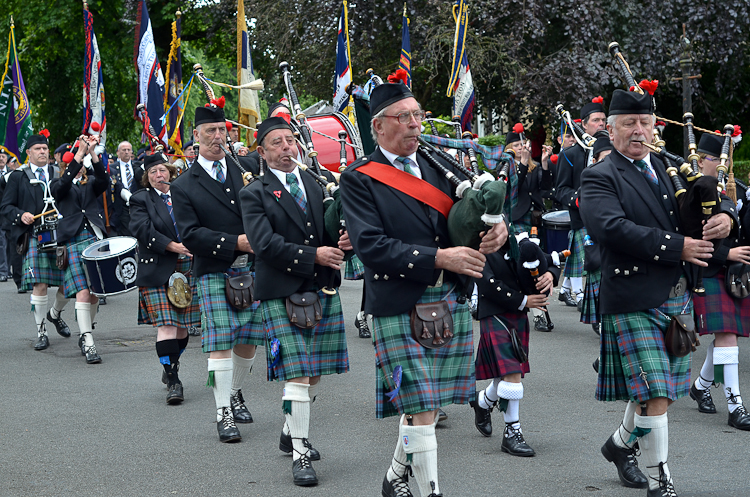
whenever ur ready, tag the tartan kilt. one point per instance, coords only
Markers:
(74, 279)
(719, 312)
(306, 352)
(354, 269)
(431, 378)
(634, 342)
(495, 358)
(523, 224)
(223, 325)
(590, 310)
(574, 263)
(154, 307)
(39, 267)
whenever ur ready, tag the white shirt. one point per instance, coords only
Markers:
(124, 167)
(646, 159)
(208, 166)
(282, 177)
(46, 170)
(398, 165)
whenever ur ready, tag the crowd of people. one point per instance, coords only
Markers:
(251, 262)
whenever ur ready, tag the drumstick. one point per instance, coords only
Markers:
(51, 211)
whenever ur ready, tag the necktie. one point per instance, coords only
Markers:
(128, 176)
(407, 164)
(219, 172)
(40, 174)
(296, 192)
(168, 202)
(641, 164)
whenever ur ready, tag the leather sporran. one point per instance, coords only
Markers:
(61, 257)
(681, 337)
(304, 309)
(239, 291)
(737, 280)
(179, 293)
(518, 350)
(22, 244)
(432, 324)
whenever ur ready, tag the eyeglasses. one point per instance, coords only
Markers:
(405, 117)
(711, 159)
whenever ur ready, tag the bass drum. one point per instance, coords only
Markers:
(111, 265)
(329, 151)
(556, 225)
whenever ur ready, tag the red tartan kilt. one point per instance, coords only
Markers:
(495, 358)
(718, 312)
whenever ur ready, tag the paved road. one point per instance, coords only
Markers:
(68, 428)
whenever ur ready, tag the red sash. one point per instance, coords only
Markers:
(412, 186)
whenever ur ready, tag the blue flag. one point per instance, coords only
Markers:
(405, 60)
(343, 68)
(150, 77)
(15, 113)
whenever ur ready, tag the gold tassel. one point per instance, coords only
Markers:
(731, 185)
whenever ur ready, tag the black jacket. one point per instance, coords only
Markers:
(21, 196)
(570, 164)
(638, 233)
(284, 239)
(530, 187)
(152, 225)
(120, 217)
(78, 203)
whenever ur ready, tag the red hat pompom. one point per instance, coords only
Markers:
(737, 130)
(286, 117)
(229, 126)
(660, 123)
(474, 136)
(649, 86)
(218, 102)
(632, 88)
(44, 133)
(255, 134)
(597, 100)
(579, 121)
(207, 105)
(518, 128)
(554, 158)
(96, 127)
(68, 157)
(399, 75)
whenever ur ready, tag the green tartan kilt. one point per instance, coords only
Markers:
(223, 325)
(354, 269)
(40, 267)
(74, 276)
(523, 225)
(154, 307)
(305, 352)
(431, 378)
(634, 363)
(574, 263)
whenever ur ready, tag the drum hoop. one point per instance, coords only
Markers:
(97, 243)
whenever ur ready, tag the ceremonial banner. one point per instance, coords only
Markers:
(150, 78)
(341, 99)
(93, 83)
(405, 60)
(173, 104)
(249, 107)
(461, 86)
(15, 114)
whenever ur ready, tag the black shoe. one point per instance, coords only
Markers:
(42, 342)
(398, 487)
(194, 331)
(596, 365)
(704, 399)
(362, 326)
(540, 323)
(597, 328)
(442, 416)
(514, 444)
(285, 446)
(569, 300)
(228, 432)
(3, 279)
(175, 394)
(303, 472)
(102, 300)
(60, 326)
(21, 290)
(241, 414)
(90, 352)
(666, 486)
(482, 417)
(740, 418)
(627, 466)
(165, 378)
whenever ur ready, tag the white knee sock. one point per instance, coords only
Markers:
(399, 465)
(39, 308)
(60, 302)
(488, 396)
(298, 417)
(242, 368)
(93, 311)
(729, 358)
(221, 370)
(654, 446)
(513, 393)
(576, 284)
(421, 443)
(621, 436)
(83, 316)
(565, 285)
(706, 378)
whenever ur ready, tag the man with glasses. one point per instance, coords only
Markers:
(126, 177)
(396, 207)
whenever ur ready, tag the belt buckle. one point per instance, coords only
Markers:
(240, 261)
(439, 281)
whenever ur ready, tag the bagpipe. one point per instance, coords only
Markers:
(584, 139)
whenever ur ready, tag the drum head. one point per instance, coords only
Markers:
(109, 247)
(556, 218)
(329, 151)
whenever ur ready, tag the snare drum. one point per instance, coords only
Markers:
(556, 225)
(329, 151)
(111, 265)
(46, 235)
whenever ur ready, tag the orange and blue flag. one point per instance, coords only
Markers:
(405, 60)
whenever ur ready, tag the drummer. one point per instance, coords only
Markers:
(163, 260)
(82, 223)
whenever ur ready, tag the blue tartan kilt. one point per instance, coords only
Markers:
(574, 263)
(305, 352)
(39, 267)
(634, 363)
(354, 269)
(75, 276)
(495, 357)
(223, 325)
(431, 378)
(590, 310)
(154, 307)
